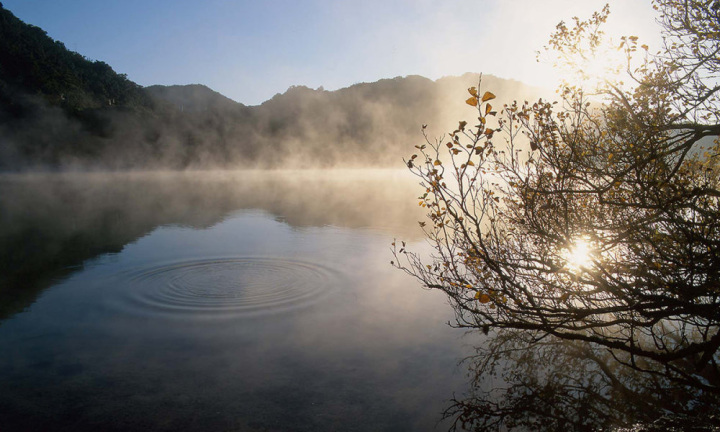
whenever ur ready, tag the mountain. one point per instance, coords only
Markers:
(368, 123)
(62, 111)
(35, 64)
(192, 98)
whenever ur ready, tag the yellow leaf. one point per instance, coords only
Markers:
(437, 162)
(487, 96)
(482, 298)
(473, 91)
(473, 101)
(488, 108)
(471, 163)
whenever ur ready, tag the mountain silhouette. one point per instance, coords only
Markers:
(60, 110)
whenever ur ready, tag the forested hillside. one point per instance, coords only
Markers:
(35, 63)
(60, 110)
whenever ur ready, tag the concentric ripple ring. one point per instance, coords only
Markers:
(225, 287)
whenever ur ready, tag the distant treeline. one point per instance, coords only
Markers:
(60, 110)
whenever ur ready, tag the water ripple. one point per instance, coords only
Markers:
(224, 287)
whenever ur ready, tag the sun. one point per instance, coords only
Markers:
(579, 255)
(592, 59)
(600, 68)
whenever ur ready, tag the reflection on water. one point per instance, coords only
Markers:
(50, 225)
(210, 301)
(522, 383)
(259, 301)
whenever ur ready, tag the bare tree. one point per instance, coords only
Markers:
(596, 221)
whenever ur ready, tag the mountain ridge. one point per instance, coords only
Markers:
(62, 111)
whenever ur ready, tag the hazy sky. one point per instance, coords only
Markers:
(250, 50)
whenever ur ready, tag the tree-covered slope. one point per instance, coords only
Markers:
(34, 63)
(59, 110)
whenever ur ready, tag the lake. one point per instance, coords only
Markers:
(243, 301)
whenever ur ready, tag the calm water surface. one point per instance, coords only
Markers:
(218, 301)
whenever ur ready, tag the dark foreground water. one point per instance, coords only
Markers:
(218, 301)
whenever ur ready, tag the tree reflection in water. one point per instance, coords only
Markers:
(521, 383)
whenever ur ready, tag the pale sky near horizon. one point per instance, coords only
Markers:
(251, 50)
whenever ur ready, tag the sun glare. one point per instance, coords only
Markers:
(578, 256)
(594, 66)
(596, 71)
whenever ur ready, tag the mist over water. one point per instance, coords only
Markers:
(193, 127)
(52, 224)
(218, 301)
